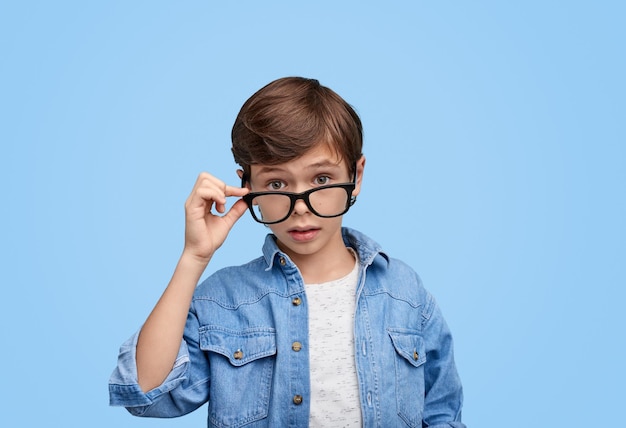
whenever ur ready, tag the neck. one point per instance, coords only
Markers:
(324, 266)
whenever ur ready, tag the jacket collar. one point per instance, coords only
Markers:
(366, 248)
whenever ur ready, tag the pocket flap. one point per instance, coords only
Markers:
(240, 347)
(410, 345)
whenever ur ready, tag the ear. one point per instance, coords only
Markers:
(240, 175)
(360, 167)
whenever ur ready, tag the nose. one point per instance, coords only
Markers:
(300, 207)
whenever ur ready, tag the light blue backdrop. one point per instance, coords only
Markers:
(495, 136)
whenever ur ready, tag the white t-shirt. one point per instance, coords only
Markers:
(334, 386)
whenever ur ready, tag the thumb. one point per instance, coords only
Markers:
(236, 211)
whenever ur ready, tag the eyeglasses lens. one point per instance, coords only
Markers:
(324, 202)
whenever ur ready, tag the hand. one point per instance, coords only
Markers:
(205, 231)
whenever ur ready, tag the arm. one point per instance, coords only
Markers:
(161, 335)
(444, 393)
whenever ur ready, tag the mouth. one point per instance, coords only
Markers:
(303, 234)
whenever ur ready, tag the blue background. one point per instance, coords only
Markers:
(494, 136)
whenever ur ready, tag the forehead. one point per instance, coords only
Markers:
(318, 158)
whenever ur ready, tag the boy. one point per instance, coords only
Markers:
(324, 328)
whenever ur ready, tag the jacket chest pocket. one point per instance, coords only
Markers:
(241, 365)
(410, 357)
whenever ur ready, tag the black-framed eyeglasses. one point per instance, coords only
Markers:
(327, 201)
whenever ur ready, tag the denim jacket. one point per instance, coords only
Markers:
(237, 352)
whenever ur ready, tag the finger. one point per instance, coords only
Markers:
(210, 191)
(235, 212)
(229, 191)
(206, 196)
(236, 191)
(205, 178)
(220, 208)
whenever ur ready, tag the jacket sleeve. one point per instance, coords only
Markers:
(443, 391)
(184, 390)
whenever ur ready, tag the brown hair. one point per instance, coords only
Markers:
(288, 117)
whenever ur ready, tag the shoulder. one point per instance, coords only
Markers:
(393, 273)
(396, 278)
(235, 285)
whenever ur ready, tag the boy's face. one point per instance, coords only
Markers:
(303, 232)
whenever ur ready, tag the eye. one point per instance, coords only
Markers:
(275, 185)
(322, 180)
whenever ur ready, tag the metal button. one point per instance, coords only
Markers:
(297, 400)
(238, 355)
(416, 356)
(282, 261)
(296, 301)
(296, 346)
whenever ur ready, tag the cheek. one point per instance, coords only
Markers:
(331, 225)
(277, 229)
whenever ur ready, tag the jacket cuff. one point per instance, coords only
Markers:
(124, 389)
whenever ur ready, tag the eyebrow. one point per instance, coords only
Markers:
(268, 169)
(325, 164)
(317, 165)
